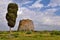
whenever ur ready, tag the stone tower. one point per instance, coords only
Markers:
(26, 25)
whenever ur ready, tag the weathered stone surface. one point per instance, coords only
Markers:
(26, 25)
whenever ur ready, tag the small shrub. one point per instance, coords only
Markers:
(55, 33)
(28, 32)
(15, 35)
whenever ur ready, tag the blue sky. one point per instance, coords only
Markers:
(44, 13)
(45, 2)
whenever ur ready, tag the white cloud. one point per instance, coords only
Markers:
(42, 20)
(37, 4)
(3, 11)
(3, 8)
(54, 20)
(26, 13)
(19, 11)
(54, 3)
(50, 12)
(27, 2)
(47, 17)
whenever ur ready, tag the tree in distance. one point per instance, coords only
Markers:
(11, 14)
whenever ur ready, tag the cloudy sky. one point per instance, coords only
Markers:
(44, 13)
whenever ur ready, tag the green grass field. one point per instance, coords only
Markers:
(25, 36)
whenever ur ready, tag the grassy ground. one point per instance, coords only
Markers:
(32, 36)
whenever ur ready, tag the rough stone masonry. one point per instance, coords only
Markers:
(26, 25)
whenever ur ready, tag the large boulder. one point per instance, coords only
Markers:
(26, 25)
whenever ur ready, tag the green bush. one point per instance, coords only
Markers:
(28, 32)
(55, 33)
(15, 35)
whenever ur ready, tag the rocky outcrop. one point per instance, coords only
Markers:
(26, 25)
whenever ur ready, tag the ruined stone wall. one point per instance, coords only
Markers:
(26, 25)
